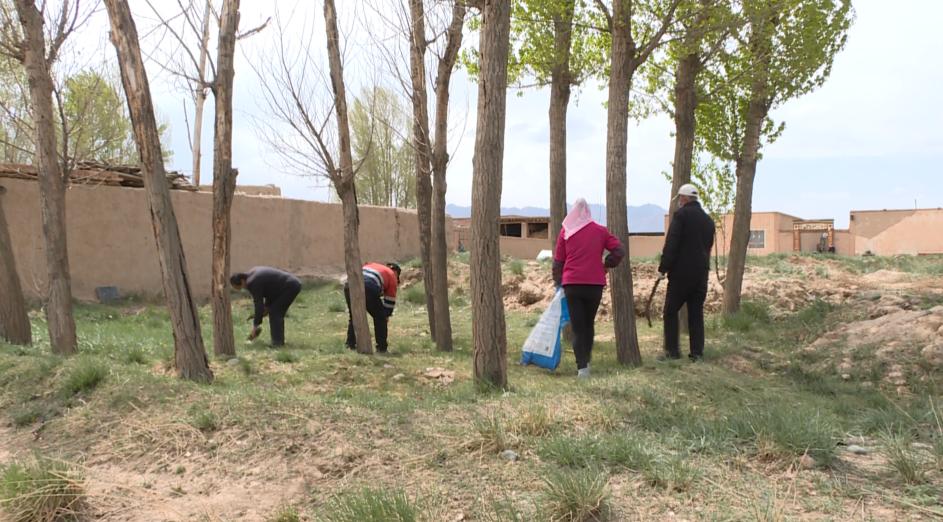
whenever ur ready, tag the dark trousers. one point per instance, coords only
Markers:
(277, 310)
(691, 292)
(583, 302)
(376, 310)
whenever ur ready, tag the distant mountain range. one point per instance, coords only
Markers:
(645, 218)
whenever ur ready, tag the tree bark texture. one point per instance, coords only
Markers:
(189, 354)
(559, 101)
(440, 161)
(346, 190)
(14, 320)
(423, 149)
(685, 105)
(489, 333)
(620, 80)
(199, 96)
(757, 110)
(224, 180)
(51, 182)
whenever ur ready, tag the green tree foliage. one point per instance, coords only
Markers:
(93, 110)
(532, 31)
(380, 135)
(789, 46)
(16, 141)
(98, 126)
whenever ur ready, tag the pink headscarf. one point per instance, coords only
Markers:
(578, 218)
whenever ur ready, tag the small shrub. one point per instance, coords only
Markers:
(27, 414)
(135, 355)
(670, 473)
(516, 266)
(413, 263)
(41, 490)
(492, 434)
(85, 376)
(285, 514)
(415, 294)
(787, 430)
(625, 451)
(372, 505)
(502, 510)
(287, 357)
(246, 367)
(576, 495)
(535, 421)
(458, 300)
(903, 459)
(336, 307)
(750, 314)
(203, 419)
(569, 451)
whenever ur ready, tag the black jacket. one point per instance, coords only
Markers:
(267, 284)
(688, 245)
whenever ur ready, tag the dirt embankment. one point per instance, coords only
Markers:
(803, 283)
(897, 344)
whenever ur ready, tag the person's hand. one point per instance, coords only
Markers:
(256, 330)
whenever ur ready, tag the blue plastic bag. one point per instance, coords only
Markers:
(542, 347)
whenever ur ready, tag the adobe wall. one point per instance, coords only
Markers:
(111, 242)
(774, 224)
(896, 232)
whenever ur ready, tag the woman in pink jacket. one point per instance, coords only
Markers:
(579, 267)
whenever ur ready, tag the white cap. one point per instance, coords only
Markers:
(687, 190)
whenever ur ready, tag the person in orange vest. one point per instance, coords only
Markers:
(379, 282)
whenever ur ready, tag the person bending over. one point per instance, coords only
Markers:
(273, 292)
(379, 283)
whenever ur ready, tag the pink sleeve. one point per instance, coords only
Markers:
(560, 253)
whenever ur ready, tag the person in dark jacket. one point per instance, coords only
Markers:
(273, 291)
(379, 283)
(686, 261)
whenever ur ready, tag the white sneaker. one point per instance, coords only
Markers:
(582, 373)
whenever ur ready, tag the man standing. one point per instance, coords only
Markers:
(379, 282)
(273, 291)
(686, 261)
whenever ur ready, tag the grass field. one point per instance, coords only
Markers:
(315, 432)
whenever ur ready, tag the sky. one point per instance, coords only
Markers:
(870, 138)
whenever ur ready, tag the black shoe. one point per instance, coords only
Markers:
(667, 357)
(352, 348)
(382, 352)
(696, 358)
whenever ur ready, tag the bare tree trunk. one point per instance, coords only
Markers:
(346, 190)
(423, 149)
(489, 332)
(757, 110)
(743, 212)
(199, 96)
(440, 160)
(51, 182)
(224, 179)
(14, 320)
(189, 355)
(559, 100)
(620, 79)
(685, 105)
